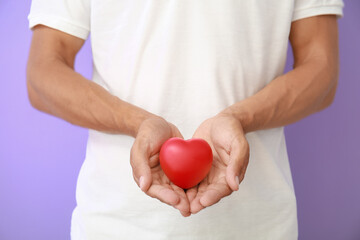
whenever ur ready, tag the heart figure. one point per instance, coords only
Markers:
(186, 162)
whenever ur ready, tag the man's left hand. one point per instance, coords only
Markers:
(230, 150)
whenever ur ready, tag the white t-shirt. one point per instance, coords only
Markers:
(185, 61)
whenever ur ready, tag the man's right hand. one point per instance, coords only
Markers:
(147, 172)
(55, 88)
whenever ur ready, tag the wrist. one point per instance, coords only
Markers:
(240, 113)
(130, 119)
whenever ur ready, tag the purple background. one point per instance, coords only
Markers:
(40, 156)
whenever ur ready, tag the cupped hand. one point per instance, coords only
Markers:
(147, 172)
(230, 149)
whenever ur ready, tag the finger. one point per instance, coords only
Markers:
(223, 154)
(195, 205)
(140, 166)
(185, 214)
(164, 194)
(214, 195)
(191, 193)
(154, 160)
(183, 206)
(196, 193)
(177, 133)
(194, 199)
(239, 157)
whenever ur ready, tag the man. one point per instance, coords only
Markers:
(179, 68)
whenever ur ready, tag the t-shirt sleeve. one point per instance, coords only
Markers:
(310, 8)
(69, 16)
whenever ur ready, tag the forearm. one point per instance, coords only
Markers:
(308, 88)
(55, 88)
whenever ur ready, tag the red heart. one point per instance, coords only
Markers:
(186, 162)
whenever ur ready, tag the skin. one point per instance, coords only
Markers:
(308, 88)
(55, 88)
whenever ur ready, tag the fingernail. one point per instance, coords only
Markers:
(141, 182)
(237, 180)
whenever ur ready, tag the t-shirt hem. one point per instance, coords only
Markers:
(318, 10)
(59, 24)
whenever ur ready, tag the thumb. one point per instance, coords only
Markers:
(238, 161)
(140, 166)
(175, 131)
